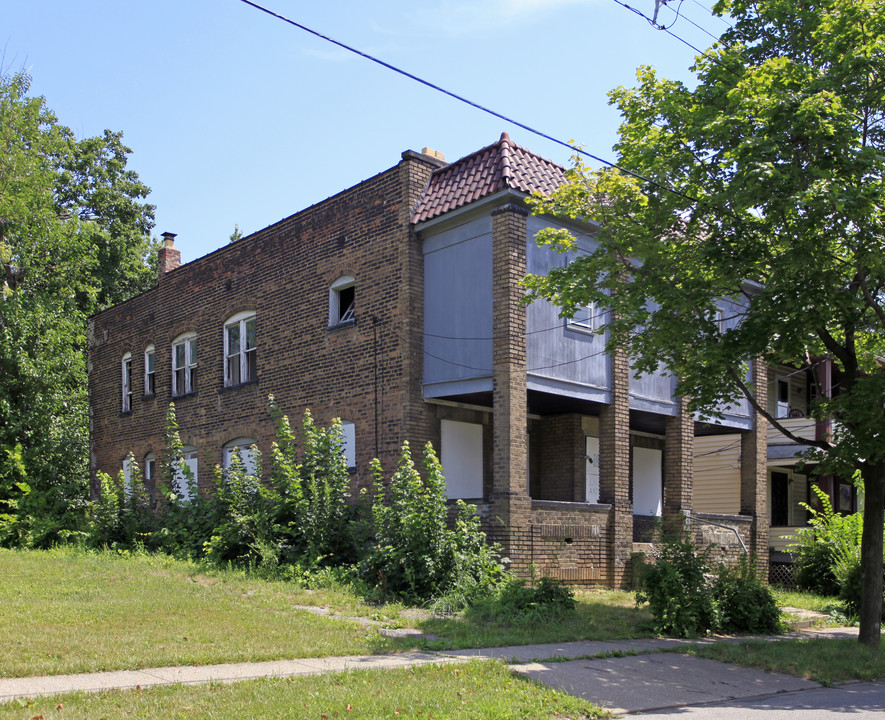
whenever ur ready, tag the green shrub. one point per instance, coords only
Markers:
(243, 532)
(675, 587)
(514, 602)
(313, 514)
(185, 519)
(121, 516)
(817, 549)
(744, 604)
(416, 556)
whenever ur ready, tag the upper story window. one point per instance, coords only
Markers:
(184, 364)
(587, 318)
(342, 301)
(127, 382)
(240, 350)
(150, 379)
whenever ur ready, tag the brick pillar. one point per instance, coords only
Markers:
(509, 503)
(614, 469)
(678, 465)
(754, 472)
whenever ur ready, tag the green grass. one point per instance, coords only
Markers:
(805, 600)
(71, 611)
(825, 660)
(472, 690)
(68, 611)
(600, 615)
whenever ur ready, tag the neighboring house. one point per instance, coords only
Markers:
(792, 391)
(395, 305)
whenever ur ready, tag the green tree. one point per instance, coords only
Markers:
(74, 238)
(762, 185)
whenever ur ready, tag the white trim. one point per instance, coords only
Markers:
(152, 351)
(240, 321)
(126, 382)
(336, 314)
(188, 340)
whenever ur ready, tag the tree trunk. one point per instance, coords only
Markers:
(871, 555)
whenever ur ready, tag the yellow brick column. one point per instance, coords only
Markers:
(509, 504)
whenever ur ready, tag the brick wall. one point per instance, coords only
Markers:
(561, 463)
(283, 274)
(570, 542)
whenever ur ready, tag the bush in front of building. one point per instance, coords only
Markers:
(689, 598)
(415, 554)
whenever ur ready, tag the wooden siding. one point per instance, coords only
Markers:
(717, 479)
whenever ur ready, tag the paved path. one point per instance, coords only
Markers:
(625, 676)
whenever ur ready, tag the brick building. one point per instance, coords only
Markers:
(394, 305)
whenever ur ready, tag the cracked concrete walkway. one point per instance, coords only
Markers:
(623, 676)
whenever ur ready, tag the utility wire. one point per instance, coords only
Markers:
(712, 14)
(669, 32)
(473, 104)
(689, 21)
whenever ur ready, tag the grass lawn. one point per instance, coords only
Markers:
(600, 615)
(68, 611)
(824, 660)
(71, 611)
(474, 690)
(806, 600)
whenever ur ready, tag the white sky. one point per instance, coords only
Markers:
(235, 117)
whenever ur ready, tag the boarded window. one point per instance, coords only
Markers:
(462, 458)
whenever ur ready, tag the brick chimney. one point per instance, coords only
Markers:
(169, 257)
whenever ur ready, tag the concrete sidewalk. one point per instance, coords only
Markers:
(628, 678)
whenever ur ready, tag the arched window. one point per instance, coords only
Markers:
(188, 467)
(248, 456)
(184, 364)
(127, 382)
(342, 301)
(240, 353)
(150, 380)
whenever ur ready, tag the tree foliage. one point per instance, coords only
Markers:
(762, 185)
(74, 237)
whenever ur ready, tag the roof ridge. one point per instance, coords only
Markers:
(505, 159)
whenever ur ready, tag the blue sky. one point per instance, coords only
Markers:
(237, 118)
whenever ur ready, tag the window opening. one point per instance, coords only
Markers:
(587, 318)
(240, 354)
(127, 382)
(248, 456)
(348, 445)
(184, 366)
(342, 301)
(150, 384)
(181, 481)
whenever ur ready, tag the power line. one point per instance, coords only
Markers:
(688, 20)
(712, 14)
(669, 32)
(461, 98)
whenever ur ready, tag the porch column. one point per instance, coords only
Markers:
(614, 469)
(678, 465)
(754, 472)
(509, 503)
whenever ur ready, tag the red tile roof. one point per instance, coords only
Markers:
(503, 165)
